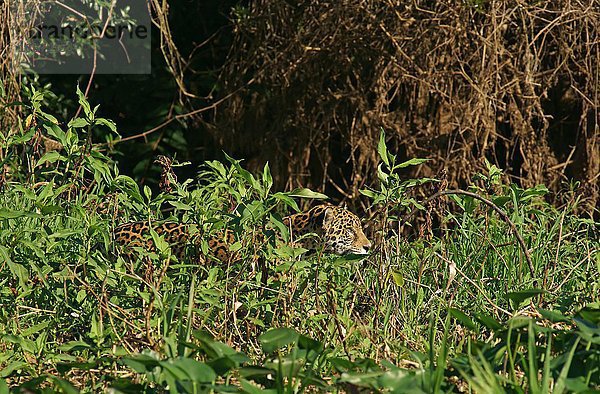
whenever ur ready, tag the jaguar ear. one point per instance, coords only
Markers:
(328, 216)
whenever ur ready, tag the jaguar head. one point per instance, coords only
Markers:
(343, 233)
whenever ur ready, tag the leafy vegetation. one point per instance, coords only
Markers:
(453, 308)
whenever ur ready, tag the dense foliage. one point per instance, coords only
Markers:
(452, 308)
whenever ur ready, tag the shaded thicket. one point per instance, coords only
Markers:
(13, 21)
(311, 84)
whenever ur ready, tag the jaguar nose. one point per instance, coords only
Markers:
(367, 247)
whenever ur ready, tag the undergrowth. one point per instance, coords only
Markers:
(454, 306)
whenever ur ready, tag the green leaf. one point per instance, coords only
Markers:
(195, 370)
(56, 132)
(402, 381)
(488, 321)
(180, 206)
(18, 270)
(349, 258)
(245, 174)
(267, 179)
(249, 388)
(222, 365)
(382, 148)
(277, 338)
(308, 343)
(78, 123)
(517, 297)
(398, 278)
(463, 318)
(287, 200)
(130, 187)
(84, 104)
(553, 316)
(12, 366)
(108, 123)
(35, 328)
(411, 162)
(501, 200)
(251, 372)
(383, 177)
(63, 386)
(591, 313)
(6, 213)
(147, 193)
(50, 157)
(368, 193)
(48, 117)
(74, 346)
(574, 385)
(141, 363)
(539, 190)
(307, 193)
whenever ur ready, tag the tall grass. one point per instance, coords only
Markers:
(455, 307)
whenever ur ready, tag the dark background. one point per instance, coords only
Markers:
(308, 85)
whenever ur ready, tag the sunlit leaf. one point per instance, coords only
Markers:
(277, 338)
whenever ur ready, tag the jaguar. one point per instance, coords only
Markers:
(338, 231)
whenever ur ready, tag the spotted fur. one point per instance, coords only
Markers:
(337, 231)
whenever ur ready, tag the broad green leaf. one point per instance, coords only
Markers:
(35, 328)
(63, 385)
(402, 381)
(591, 313)
(141, 363)
(50, 157)
(539, 190)
(553, 316)
(108, 123)
(195, 370)
(382, 175)
(48, 117)
(73, 346)
(11, 367)
(368, 193)
(463, 318)
(307, 193)
(308, 343)
(78, 123)
(517, 297)
(56, 132)
(277, 338)
(6, 213)
(249, 388)
(181, 206)
(488, 321)
(255, 371)
(501, 201)
(130, 187)
(287, 200)
(18, 270)
(398, 278)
